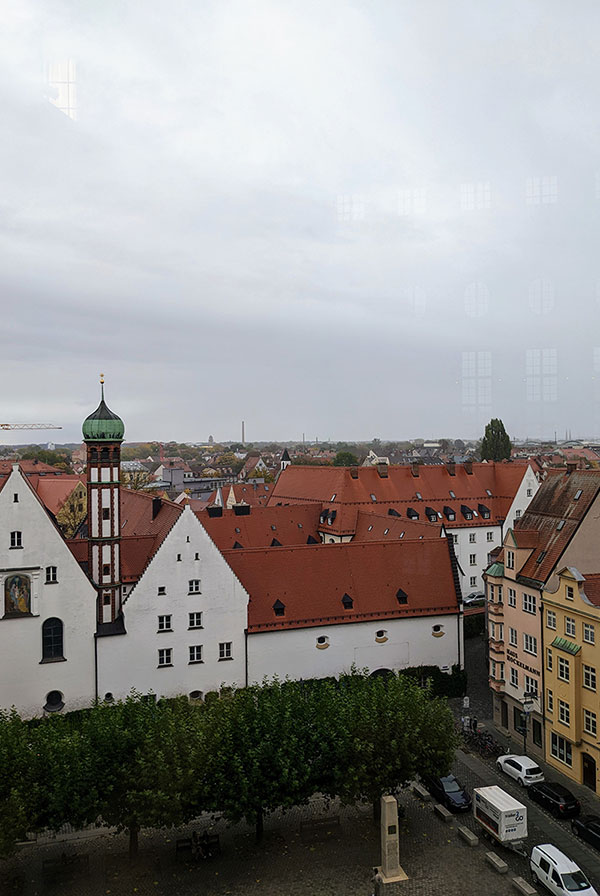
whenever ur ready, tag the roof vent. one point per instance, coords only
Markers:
(354, 472)
(275, 543)
(401, 596)
(214, 510)
(347, 602)
(241, 509)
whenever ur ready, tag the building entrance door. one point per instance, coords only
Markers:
(589, 771)
(504, 714)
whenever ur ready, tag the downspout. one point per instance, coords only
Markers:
(246, 653)
(96, 666)
(543, 665)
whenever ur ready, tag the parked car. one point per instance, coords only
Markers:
(523, 769)
(556, 798)
(557, 872)
(448, 791)
(475, 598)
(588, 828)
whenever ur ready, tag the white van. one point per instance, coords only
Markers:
(557, 872)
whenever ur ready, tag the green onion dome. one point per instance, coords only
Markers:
(103, 425)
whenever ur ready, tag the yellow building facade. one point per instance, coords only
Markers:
(571, 658)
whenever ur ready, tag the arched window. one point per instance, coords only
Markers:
(52, 639)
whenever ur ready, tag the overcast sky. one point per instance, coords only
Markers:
(344, 219)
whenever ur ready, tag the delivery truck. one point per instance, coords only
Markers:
(501, 816)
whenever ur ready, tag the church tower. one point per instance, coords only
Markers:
(103, 433)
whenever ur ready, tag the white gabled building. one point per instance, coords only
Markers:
(184, 619)
(48, 609)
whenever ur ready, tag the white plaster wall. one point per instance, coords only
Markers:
(131, 660)
(521, 500)
(25, 682)
(410, 643)
(464, 548)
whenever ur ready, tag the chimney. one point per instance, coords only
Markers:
(241, 509)
(414, 468)
(571, 466)
(156, 505)
(451, 467)
(468, 465)
(354, 472)
(382, 470)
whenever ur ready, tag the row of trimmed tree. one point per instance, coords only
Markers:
(245, 753)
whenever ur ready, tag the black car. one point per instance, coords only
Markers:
(556, 798)
(449, 792)
(588, 828)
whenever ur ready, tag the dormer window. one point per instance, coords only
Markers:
(449, 513)
(401, 596)
(484, 511)
(431, 514)
(412, 514)
(279, 608)
(466, 512)
(275, 543)
(347, 602)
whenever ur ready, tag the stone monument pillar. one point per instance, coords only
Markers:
(390, 868)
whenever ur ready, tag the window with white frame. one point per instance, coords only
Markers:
(491, 592)
(16, 539)
(564, 669)
(194, 586)
(514, 677)
(472, 581)
(196, 654)
(529, 492)
(529, 603)
(472, 538)
(529, 644)
(512, 597)
(512, 637)
(497, 670)
(164, 623)
(51, 575)
(570, 626)
(165, 657)
(589, 677)
(455, 538)
(226, 650)
(550, 619)
(195, 620)
(590, 722)
(589, 635)
(569, 593)
(510, 559)
(490, 536)
(472, 559)
(531, 685)
(548, 659)
(549, 700)
(517, 514)
(561, 749)
(499, 594)
(564, 712)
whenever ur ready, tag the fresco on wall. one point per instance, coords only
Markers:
(17, 595)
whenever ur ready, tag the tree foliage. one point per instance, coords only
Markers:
(496, 443)
(345, 459)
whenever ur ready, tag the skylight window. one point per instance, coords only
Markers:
(369, 528)
(274, 528)
(385, 531)
(373, 498)
(560, 525)
(578, 494)
(488, 493)
(419, 496)
(333, 497)
(540, 557)
(452, 495)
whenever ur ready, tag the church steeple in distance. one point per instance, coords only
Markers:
(103, 432)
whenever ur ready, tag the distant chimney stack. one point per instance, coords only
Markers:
(414, 467)
(382, 470)
(354, 472)
(156, 505)
(451, 467)
(468, 465)
(571, 466)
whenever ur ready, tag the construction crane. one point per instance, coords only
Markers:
(29, 426)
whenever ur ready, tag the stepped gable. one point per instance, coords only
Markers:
(259, 526)
(370, 489)
(311, 581)
(554, 503)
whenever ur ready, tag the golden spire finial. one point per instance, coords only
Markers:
(102, 385)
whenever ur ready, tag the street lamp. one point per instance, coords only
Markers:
(527, 704)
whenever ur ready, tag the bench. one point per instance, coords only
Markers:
(442, 813)
(496, 862)
(420, 791)
(523, 886)
(468, 836)
(320, 825)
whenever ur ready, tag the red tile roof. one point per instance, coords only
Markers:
(554, 505)
(254, 493)
(373, 527)
(35, 471)
(311, 581)
(367, 490)
(53, 492)
(288, 525)
(591, 587)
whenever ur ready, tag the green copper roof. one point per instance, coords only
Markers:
(563, 644)
(495, 569)
(103, 425)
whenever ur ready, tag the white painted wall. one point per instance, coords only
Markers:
(522, 500)
(410, 642)
(25, 681)
(131, 660)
